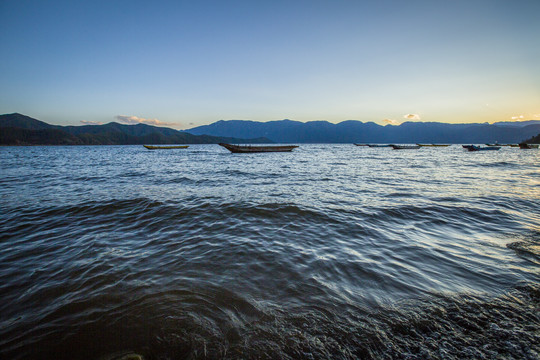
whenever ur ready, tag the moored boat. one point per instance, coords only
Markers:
(361, 144)
(480, 148)
(528, 146)
(257, 149)
(433, 145)
(405, 147)
(379, 145)
(154, 147)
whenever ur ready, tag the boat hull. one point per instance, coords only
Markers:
(153, 147)
(405, 147)
(528, 146)
(433, 145)
(478, 148)
(257, 149)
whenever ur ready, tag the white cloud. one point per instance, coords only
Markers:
(517, 117)
(86, 122)
(412, 116)
(133, 120)
(390, 122)
(537, 115)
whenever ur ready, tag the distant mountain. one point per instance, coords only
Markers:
(17, 129)
(517, 123)
(533, 140)
(23, 122)
(352, 131)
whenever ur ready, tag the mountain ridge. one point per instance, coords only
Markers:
(353, 131)
(18, 129)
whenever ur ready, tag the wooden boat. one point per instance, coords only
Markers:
(153, 147)
(481, 148)
(433, 145)
(405, 147)
(257, 149)
(528, 146)
(378, 145)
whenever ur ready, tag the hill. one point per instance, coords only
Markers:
(533, 140)
(18, 129)
(352, 131)
(20, 121)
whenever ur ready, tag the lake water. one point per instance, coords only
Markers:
(330, 251)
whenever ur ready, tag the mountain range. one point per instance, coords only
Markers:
(18, 129)
(352, 131)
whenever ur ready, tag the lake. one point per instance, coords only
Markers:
(330, 251)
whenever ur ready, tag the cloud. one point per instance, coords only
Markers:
(86, 122)
(390, 122)
(517, 117)
(537, 115)
(133, 120)
(412, 116)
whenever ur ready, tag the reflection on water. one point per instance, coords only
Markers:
(331, 251)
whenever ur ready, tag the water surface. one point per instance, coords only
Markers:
(331, 251)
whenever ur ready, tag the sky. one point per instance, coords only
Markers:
(182, 64)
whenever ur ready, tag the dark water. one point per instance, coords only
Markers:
(331, 251)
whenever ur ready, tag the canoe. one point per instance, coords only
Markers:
(257, 149)
(528, 146)
(405, 147)
(433, 145)
(361, 144)
(378, 145)
(481, 148)
(153, 147)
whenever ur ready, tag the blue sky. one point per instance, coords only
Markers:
(188, 63)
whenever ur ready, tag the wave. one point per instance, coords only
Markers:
(504, 164)
(528, 247)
